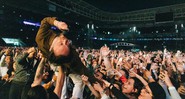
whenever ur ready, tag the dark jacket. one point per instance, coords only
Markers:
(25, 70)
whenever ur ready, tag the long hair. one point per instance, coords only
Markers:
(59, 59)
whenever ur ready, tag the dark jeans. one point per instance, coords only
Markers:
(18, 90)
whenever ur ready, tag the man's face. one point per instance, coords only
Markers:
(61, 46)
(8, 59)
(128, 86)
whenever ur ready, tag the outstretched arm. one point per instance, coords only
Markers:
(172, 90)
(44, 30)
(86, 82)
(104, 50)
(39, 73)
(59, 81)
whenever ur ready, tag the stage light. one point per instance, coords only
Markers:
(31, 23)
(92, 26)
(88, 26)
(134, 28)
(175, 26)
(182, 25)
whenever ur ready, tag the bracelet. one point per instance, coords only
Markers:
(150, 77)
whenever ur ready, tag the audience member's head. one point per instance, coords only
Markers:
(37, 92)
(132, 86)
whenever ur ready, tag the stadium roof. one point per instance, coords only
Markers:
(119, 6)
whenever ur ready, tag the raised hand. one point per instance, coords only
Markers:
(180, 68)
(164, 77)
(107, 84)
(181, 90)
(8, 51)
(61, 25)
(104, 50)
(117, 73)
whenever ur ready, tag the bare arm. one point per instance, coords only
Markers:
(105, 52)
(86, 82)
(39, 73)
(59, 82)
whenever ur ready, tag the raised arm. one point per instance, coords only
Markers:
(39, 73)
(86, 82)
(59, 82)
(105, 52)
(172, 90)
(45, 35)
(2, 60)
(22, 59)
(44, 30)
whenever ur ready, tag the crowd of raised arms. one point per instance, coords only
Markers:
(121, 74)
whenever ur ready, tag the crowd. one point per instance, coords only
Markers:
(122, 74)
(57, 70)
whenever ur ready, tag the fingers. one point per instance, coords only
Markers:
(181, 90)
(162, 75)
(61, 25)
